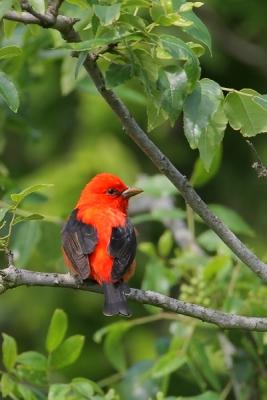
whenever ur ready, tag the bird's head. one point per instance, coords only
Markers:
(107, 190)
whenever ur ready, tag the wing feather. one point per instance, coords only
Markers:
(123, 248)
(79, 240)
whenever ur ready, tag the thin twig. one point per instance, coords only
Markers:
(258, 165)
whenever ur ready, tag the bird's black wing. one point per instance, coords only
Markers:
(122, 247)
(79, 240)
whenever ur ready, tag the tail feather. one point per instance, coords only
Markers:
(115, 302)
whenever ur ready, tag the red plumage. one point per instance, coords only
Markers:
(99, 240)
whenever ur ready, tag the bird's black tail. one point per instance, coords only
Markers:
(115, 302)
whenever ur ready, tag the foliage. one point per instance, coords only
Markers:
(28, 375)
(159, 44)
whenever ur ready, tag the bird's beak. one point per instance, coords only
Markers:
(131, 192)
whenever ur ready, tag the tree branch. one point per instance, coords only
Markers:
(165, 166)
(137, 134)
(62, 24)
(12, 277)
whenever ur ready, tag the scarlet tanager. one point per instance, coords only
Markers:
(99, 240)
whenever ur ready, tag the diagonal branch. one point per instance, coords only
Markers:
(12, 277)
(137, 134)
(165, 166)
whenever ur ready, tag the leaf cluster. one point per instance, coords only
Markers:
(28, 375)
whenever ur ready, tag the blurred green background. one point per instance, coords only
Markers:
(64, 134)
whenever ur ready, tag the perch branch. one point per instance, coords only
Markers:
(12, 277)
(164, 165)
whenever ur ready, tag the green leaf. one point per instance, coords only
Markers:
(18, 197)
(113, 346)
(200, 175)
(232, 219)
(204, 120)
(117, 74)
(25, 392)
(59, 391)
(211, 242)
(81, 58)
(9, 27)
(165, 243)
(57, 330)
(172, 84)
(7, 385)
(158, 277)
(9, 349)
(167, 364)
(200, 357)
(24, 241)
(210, 143)
(33, 359)
(31, 217)
(10, 51)
(197, 29)
(38, 5)
(156, 116)
(8, 92)
(107, 14)
(180, 51)
(215, 265)
(262, 100)
(83, 387)
(67, 353)
(5, 5)
(245, 112)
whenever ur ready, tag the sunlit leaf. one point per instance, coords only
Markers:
(10, 51)
(57, 330)
(107, 14)
(180, 51)
(9, 350)
(33, 359)
(172, 84)
(245, 113)
(215, 265)
(67, 353)
(165, 243)
(59, 391)
(204, 119)
(7, 385)
(197, 29)
(38, 5)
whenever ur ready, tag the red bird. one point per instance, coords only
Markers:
(99, 240)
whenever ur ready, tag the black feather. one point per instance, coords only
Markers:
(114, 300)
(122, 248)
(79, 240)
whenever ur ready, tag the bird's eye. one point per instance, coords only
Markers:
(112, 191)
